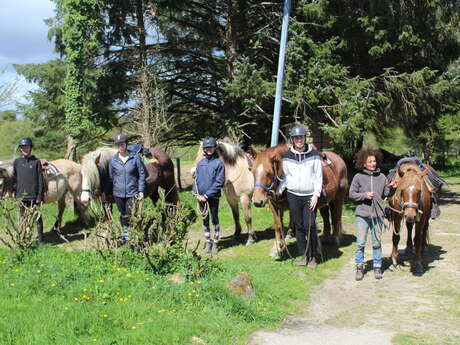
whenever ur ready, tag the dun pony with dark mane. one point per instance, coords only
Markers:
(267, 169)
(411, 202)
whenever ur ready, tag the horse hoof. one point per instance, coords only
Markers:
(275, 255)
(249, 242)
(394, 268)
(418, 269)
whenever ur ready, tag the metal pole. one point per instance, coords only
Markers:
(280, 76)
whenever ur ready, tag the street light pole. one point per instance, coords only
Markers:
(280, 75)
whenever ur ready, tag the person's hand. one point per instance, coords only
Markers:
(201, 198)
(313, 202)
(140, 196)
(370, 195)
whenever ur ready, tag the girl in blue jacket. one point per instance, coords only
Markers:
(210, 178)
(127, 179)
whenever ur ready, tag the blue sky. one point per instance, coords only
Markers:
(23, 36)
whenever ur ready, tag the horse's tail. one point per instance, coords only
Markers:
(229, 153)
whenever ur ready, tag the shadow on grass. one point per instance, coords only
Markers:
(430, 255)
(71, 231)
(449, 197)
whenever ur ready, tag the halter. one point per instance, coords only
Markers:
(269, 189)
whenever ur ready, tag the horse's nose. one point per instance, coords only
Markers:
(410, 219)
(260, 203)
(84, 198)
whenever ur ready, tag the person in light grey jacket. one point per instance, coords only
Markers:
(368, 189)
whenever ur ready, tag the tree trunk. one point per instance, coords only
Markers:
(71, 153)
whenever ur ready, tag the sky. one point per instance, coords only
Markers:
(24, 37)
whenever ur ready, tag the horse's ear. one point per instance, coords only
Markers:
(79, 157)
(252, 153)
(400, 173)
(275, 156)
(97, 159)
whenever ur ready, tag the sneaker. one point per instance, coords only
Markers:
(312, 263)
(359, 272)
(302, 261)
(207, 248)
(125, 234)
(378, 273)
(215, 248)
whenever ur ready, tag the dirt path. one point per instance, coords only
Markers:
(401, 308)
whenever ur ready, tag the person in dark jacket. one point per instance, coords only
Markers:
(126, 180)
(209, 180)
(368, 189)
(28, 181)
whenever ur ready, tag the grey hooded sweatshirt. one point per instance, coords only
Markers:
(369, 181)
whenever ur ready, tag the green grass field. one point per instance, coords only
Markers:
(59, 295)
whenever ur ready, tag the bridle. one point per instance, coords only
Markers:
(271, 188)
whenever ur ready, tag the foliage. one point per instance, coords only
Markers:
(18, 232)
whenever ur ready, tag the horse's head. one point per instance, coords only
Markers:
(266, 168)
(412, 192)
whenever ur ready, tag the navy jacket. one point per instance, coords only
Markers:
(126, 179)
(28, 178)
(210, 177)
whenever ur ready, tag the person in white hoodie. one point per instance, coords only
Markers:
(303, 179)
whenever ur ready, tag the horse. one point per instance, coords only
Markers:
(66, 178)
(238, 186)
(267, 169)
(411, 202)
(160, 171)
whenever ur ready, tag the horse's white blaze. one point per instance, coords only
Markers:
(259, 173)
(411, 188)
(85, 194)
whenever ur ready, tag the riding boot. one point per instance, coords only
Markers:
(359, 272)
(207, 248)
(378, 273)
(39, 224)
(214, 248)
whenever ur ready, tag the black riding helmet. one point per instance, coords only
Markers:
(24, 141)
(209, 142)
(120, 138)
(297, 130)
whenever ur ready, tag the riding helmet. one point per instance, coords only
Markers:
(24, 141)
(297, 130)
(120, 138)
(209, 142)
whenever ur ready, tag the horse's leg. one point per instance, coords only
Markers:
(409, 243)
(81, 212)
(336, 213)
(61, 208)
(246, 204)
(324, 211)
(279, 243)
(236, 216)
(418, 269)
(396, 237)
(155, 196)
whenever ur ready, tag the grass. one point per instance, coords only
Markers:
(62, 296)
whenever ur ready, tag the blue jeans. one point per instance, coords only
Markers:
(363, 226)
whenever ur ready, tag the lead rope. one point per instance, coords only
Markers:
(205, 212)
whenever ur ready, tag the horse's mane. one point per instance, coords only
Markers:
(229, 152)
(92, 170)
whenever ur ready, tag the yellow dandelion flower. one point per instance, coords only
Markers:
(12, 284)
(85, 289)
(134, 327)
(66, 308)
(189, 293)
(129, 275)
(191, 283)
(153, 287)
(105, 316)
(129, 296)
(41, 265)
(174, 310)
(100, 281)
(198, 282)
(125, 269)
(38, 271)
(94, 340)
(118, 269)
(197, 295)
(147, 279)
(138, 272)
(75, 299)
(16, 270)
(53, 284)
(125, 300)
(104, 302)
(62, 296)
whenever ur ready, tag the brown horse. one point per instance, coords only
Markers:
(239, 184)
(65, 179)
(160, 174)
(267, 169)
(411, 202)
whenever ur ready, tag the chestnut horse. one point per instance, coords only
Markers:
(267, 169)
(411, 202)
(160, 174)
(239, 184)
